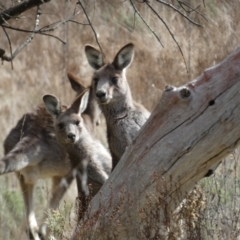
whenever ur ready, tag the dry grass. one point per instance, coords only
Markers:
(41, 68)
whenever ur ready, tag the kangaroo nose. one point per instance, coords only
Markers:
(71, 136)
(100, 94)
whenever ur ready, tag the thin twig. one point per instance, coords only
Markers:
(204, 3)
(78, 22)
(20, 8)
(10, 45)
(139, 14)
(191, 9)
(130, 27)
(172, 35)
(30, 38)
(35, 32)
(57, 24)
(53, 36)
(43, 30)
(175, 9)
(94, 32)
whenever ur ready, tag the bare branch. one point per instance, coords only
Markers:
(20, 8)
(182, 4)
(50, 35)
(204, 3)
(79, 22)
(35, 32)
(156, 13)
(175, 9)
(59, 23)
(139, 14)
(30, 38)
(15, 11)
(10, 45)
(95, 34)
(47, 28)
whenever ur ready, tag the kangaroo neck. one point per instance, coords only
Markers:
(119, 109)
(80, 150)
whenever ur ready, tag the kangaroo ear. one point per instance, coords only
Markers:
(94, 57)
(124, 57)
(76, 83)
(84, 102)
(80, 103)
(52, 104)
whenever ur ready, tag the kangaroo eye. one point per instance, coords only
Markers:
(115, 80)
(77, 123)
(60, 125)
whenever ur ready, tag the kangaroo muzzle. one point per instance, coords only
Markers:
(102, 96)
(71, 137)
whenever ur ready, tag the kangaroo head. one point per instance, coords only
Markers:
(69, 125)
(109, 80)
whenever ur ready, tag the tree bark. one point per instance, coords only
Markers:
(18, 9)
(191, 129)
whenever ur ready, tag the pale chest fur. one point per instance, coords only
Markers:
(123, 131)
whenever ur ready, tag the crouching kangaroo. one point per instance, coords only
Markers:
(31, 150)
(124, 117)
(88, 155)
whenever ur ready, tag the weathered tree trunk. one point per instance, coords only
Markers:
(192, 128)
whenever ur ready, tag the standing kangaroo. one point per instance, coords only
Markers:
(124, 117)
(31, 150)
(90, 157)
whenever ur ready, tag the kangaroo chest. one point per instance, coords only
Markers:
(120, 135)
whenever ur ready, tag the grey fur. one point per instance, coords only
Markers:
(124, 117)
(31, 150)
(84, 150)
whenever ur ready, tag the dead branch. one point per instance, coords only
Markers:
(53, 26)
(20, 8)
(148, 26)
(30, 38)
(35, 32)
(170, 32)
(42, 31)
(191, 129)
(15, 11)
(90, 23)
(10, 46)
(181, 14)
(183, 4)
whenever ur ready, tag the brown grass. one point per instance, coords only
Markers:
(41, 68)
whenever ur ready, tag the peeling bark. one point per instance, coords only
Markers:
(191, 129)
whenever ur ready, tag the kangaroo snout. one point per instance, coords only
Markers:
(101, 95)
(71, 137)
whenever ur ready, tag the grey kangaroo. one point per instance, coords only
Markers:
(31, 150)
(124, 117)
(89, 156)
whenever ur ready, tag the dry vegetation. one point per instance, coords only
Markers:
(41, 68)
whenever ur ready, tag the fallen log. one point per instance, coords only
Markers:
(190, 130)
